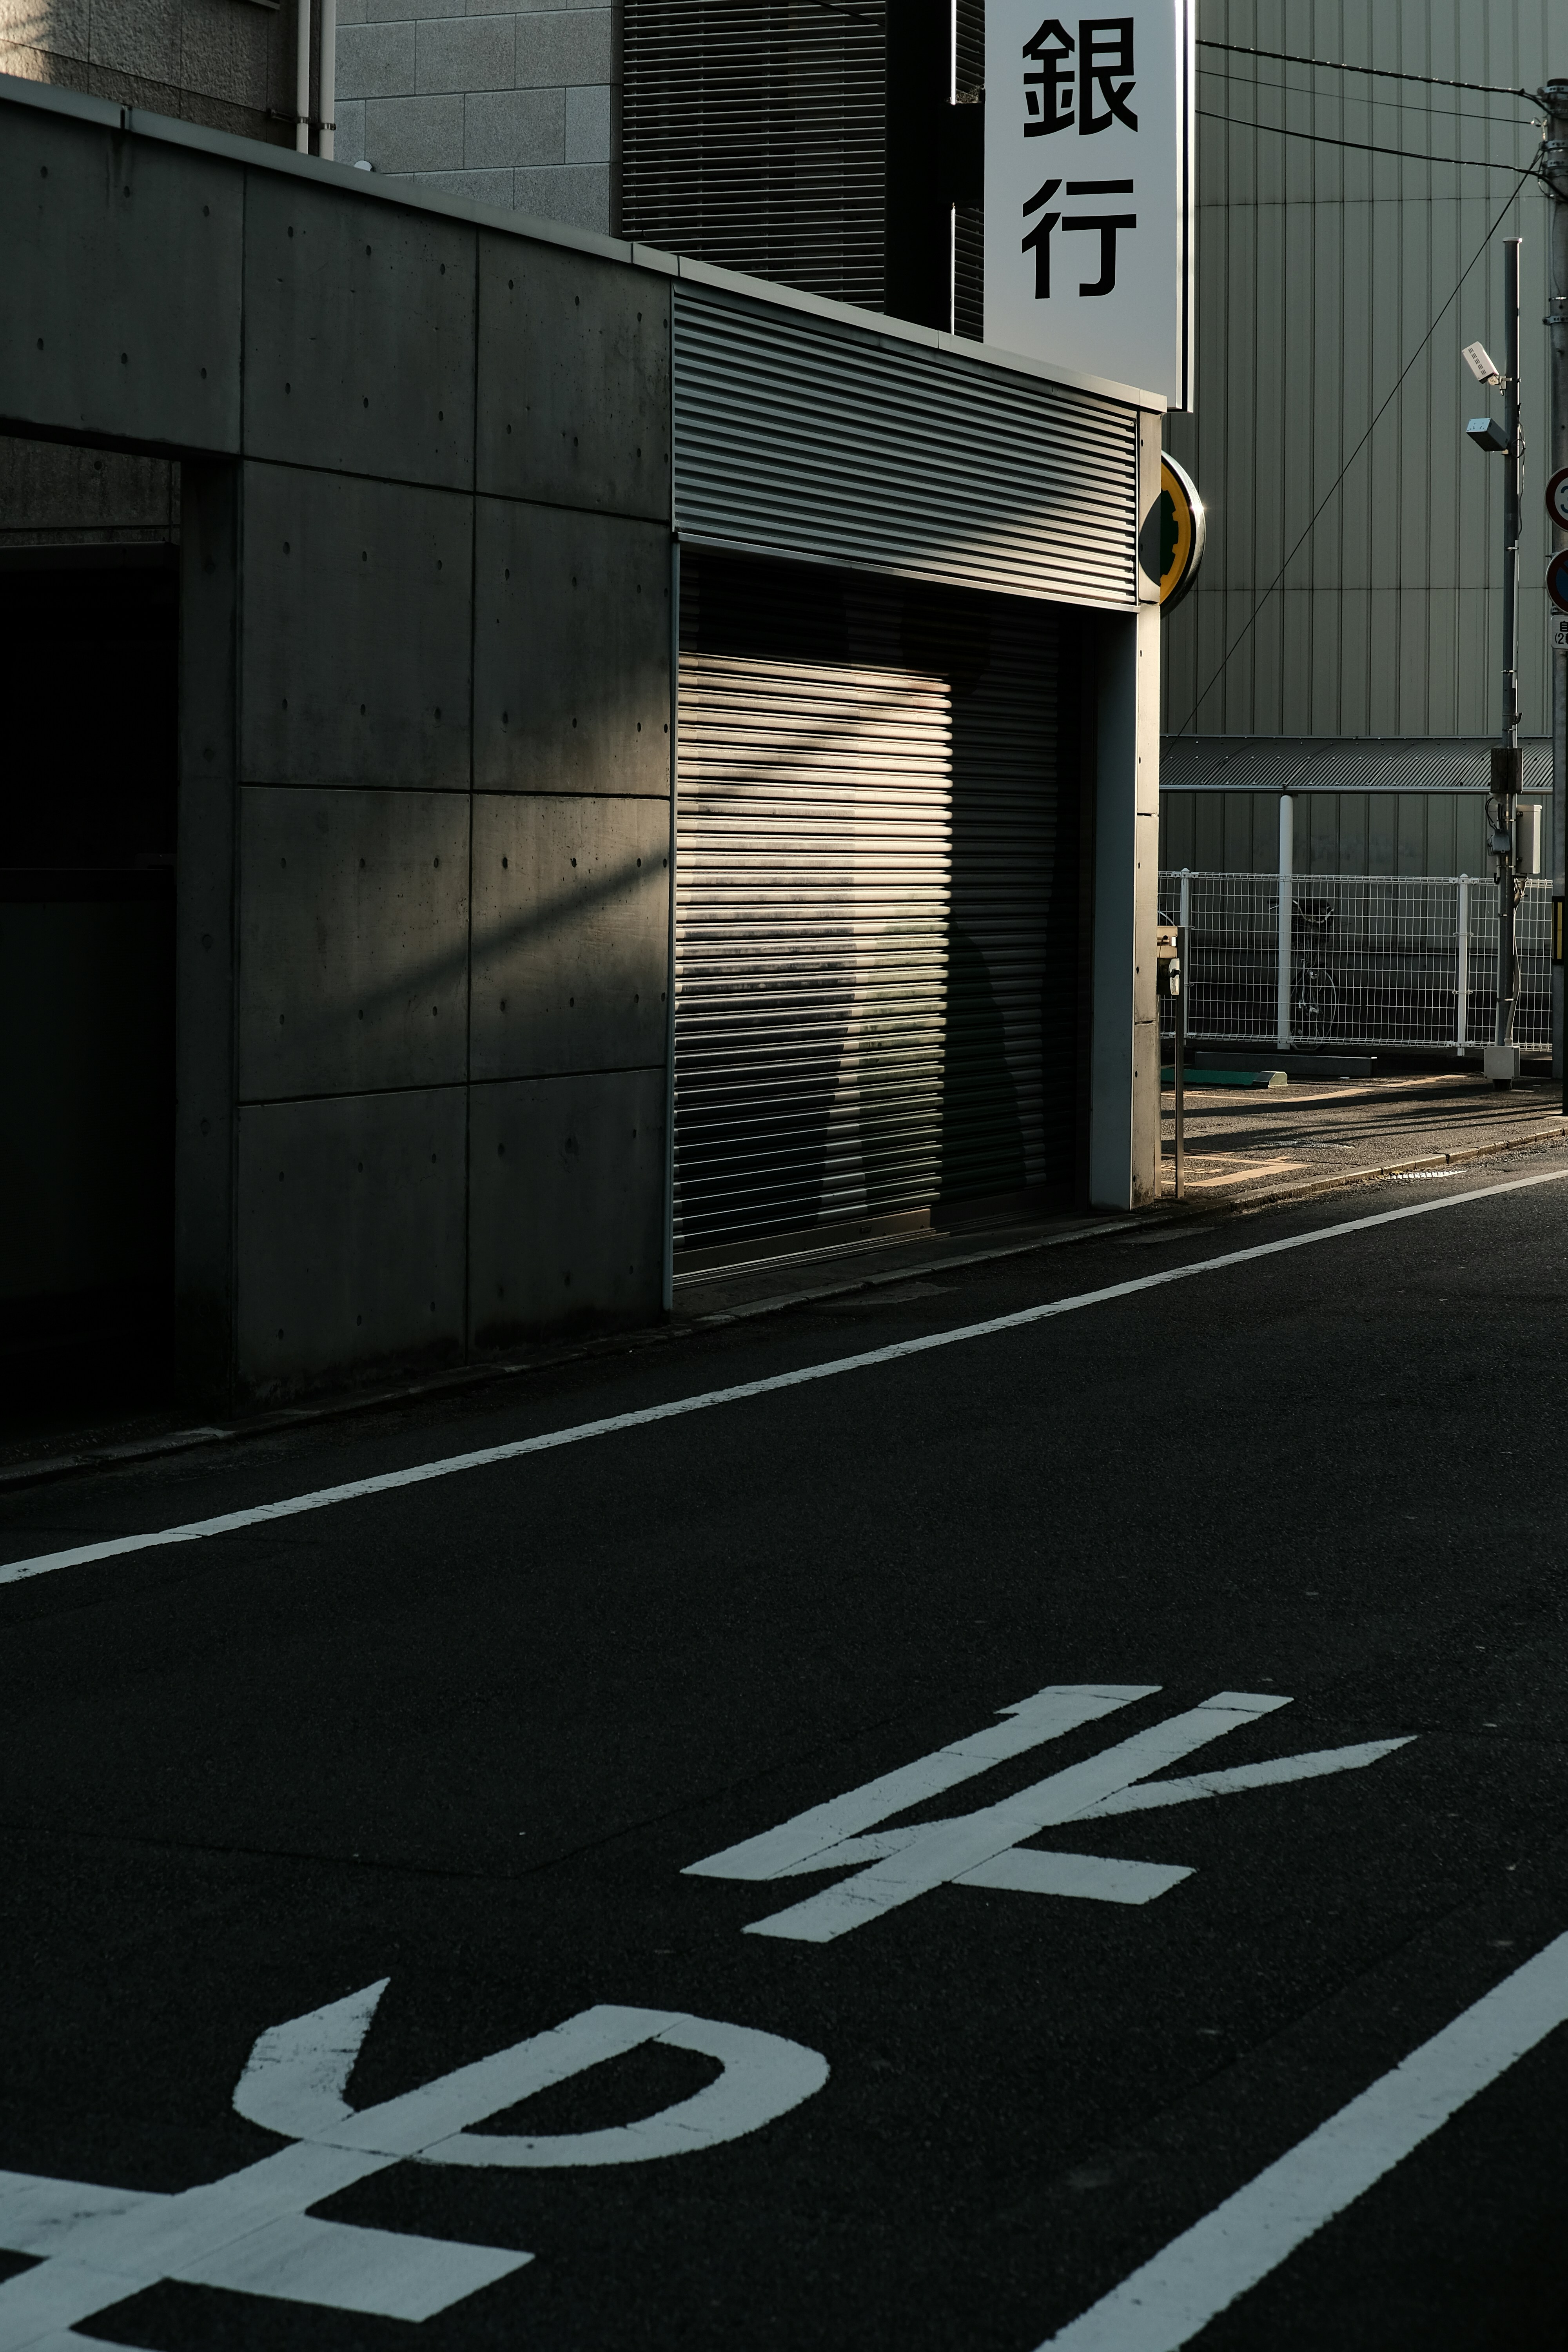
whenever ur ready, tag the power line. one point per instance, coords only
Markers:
(1294, 90)
(1364, 146)
(1312, 524)
(1381, 73)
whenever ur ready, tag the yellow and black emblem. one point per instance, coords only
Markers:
(1183, 526)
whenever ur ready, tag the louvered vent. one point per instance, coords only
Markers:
(753, 136)
(969, 220)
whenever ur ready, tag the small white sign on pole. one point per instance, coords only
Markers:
(1557, 626)
(1089, 202)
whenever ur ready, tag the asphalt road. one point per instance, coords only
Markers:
(468, 1734)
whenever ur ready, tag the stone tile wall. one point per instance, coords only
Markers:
(228, 64)
(507, 106)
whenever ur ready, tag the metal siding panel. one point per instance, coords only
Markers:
(1379, 251)
(799, 435)
(874, 904)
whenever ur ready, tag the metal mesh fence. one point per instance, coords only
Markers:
(1365, 959)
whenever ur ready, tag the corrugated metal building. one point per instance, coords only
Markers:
(1351, 588)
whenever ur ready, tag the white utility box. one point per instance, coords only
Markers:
(1527, 838)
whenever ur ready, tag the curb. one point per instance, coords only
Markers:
(471, 1378)
(1314, 1187)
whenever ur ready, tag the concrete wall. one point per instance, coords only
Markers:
(505, 106)
(425, 760)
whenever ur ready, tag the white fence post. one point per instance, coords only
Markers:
(1462, 1023)
(1287, 900)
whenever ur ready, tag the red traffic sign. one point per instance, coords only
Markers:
(1557, 579)
(1557, 497)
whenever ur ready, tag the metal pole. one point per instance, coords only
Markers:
(1506, 776)
(1286, 903)
(1181, 1031)
(328, 47)
(302, 78)
(1554, 176)
(1462, 1026)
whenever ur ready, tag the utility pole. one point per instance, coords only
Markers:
(1502, 1061)
(1554, 179)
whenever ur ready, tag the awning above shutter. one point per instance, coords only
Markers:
(803, 436)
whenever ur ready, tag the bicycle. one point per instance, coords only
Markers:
(1314, 996)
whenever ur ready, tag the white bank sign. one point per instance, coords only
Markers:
(1088, 202)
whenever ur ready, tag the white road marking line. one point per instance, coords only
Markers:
(1308, 1766)
(984, 1848)
(945, 1852)
(387, 1482)
(251, 2232)
(1169, 2300)
(796, 1845)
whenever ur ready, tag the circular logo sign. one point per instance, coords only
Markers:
(1557, 579)
(1183, 526)
(1557, 497)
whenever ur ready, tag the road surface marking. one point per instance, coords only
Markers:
(452, 1466)
(251, 2232)
(985, 1848)
(1172, 2298)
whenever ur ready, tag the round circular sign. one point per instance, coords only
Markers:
(1183, 528)
(1557, 497)
(1557, 579)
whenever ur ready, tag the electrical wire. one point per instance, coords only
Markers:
(1381, 73)
(1439, 317)
(1362, 146)
(1324, 98)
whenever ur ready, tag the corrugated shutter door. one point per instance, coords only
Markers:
(875, 899)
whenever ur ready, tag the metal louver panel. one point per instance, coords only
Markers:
(1331, 763)
(753, 136)
(876, 904)
(804, 436)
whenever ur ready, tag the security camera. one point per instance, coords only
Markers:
(1488, 434)
(1481, 364)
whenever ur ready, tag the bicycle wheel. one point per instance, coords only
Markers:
(1314, 1005)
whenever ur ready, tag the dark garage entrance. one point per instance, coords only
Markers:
(86, 901)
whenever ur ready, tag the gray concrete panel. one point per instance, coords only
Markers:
(122, 286)
(571, 934)
(571, 652)
(573, 379)
(357, 602)
(566, 1205)
(350, 1237)
(359, 334)
(354, 940)
(204, 934)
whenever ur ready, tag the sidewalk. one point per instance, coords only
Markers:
(1243, 1147)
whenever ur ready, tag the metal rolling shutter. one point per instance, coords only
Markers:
(876, 944)
(753, 136)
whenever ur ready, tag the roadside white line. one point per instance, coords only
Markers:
(386, 1482)
(1199, 2274)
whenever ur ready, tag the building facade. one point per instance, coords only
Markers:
(638, 766)
(1349, 610)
